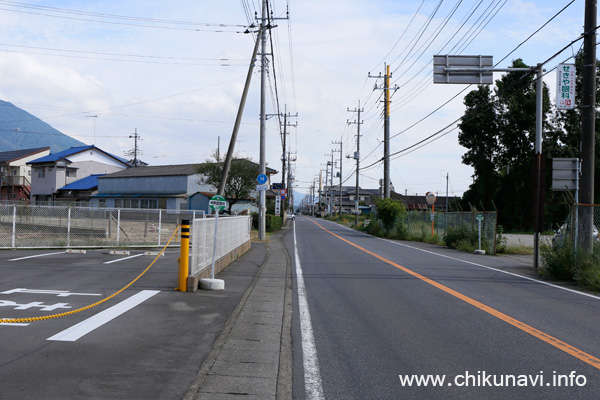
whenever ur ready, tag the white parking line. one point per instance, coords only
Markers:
(84, 327)
(123, 259)
(312, 374)
(37, 255)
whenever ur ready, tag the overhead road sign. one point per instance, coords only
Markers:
(463, 69)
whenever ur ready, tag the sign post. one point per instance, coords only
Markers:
(217, 203)
(430, 199)
(479, 218)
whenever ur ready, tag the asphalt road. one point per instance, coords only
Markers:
(385, 312)
(153, 350)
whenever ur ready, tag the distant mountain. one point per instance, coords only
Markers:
(21, 130)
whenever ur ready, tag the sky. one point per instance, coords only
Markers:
(174, 72)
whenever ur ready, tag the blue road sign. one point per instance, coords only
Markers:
(262, 179)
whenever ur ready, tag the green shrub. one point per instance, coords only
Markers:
(273, 222)
(374, 228)
(557, 262)
(461, 237)
(389, 212)
(501, 240)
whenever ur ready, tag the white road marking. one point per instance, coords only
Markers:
(37, 255)
(480, 265)
(14, 324)
(123, 259)
(84, 327)
(312, 375)
(59, 293)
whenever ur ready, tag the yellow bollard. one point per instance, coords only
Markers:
(185, 255)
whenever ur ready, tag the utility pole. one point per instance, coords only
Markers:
(238, 120)
(284, 161)
(262, 214)
(357, 158)
(340, 195)
(135, 147)
(332, 195)
(588, 125)
(290, 180)
(326, 179)
(386, 128)
(320, 189)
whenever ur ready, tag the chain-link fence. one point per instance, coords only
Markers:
(232, 232)
(420, 224)
(580, 229)
(33, 226)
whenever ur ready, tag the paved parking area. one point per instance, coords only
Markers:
(147, 342)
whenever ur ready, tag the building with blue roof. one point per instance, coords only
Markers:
(52, 174)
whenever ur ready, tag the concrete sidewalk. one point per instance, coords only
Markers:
(252, 358)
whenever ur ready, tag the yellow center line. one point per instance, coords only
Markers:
(559, 344)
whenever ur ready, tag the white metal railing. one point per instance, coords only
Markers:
(232, 232)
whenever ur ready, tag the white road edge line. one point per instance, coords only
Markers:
(123, 259)
(312, 375)
(84, 327)
(481, 266)
(34, 256)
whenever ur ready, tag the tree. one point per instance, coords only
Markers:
(479, 135)
(241, 180)
(498, 130)
(389, 211)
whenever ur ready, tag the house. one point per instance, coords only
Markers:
(80, 191)
(15, 174)
(55, 171)
(172, 187)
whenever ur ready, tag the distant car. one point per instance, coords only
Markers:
(291, 216)
(559, 236)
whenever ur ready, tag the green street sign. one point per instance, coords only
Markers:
(479, 217)
(217, 203)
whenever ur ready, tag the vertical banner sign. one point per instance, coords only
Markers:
(277, 206)
(565, 86)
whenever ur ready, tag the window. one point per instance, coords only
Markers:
(71, 173)
(41, 173)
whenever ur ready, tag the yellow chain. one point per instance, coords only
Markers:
(31, 319)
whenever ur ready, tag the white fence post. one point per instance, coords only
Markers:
(69, 227)
(14, 227)
(118, 226)
(159, 224)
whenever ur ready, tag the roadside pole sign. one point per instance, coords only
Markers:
(479, 218)
(277, 206)
(217, 203)
(262, 188)
(430, 199)
(261, 179)
(283, 192)
(565, 86)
